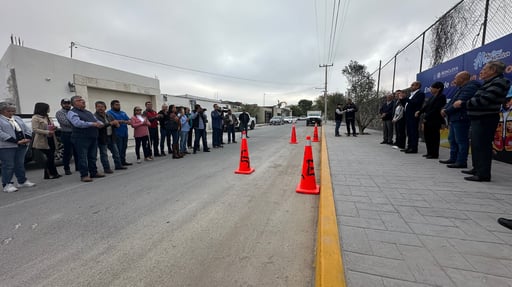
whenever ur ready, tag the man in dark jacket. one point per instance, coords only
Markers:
(107, 138)
(413, 104)
(386, 114)
(483, 110)
(458, 120)
(350, 110)
(85, 138)
(244, 122)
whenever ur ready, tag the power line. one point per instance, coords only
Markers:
(333, 29)
(188, 69)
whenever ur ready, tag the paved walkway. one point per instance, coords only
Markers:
(409, 221)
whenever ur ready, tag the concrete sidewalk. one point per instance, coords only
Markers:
(409, 221)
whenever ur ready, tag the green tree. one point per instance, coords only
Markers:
(305, 105)
(361, 91)
(296, 110)
(332, 101)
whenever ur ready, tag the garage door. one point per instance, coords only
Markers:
(128, 101)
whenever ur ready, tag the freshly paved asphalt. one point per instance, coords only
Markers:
(405, 220)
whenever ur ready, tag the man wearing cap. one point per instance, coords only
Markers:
(483, 110)
(66, 128)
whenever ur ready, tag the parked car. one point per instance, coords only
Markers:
(252, 121)
(276, 121)
(312, 120)
(288, 120)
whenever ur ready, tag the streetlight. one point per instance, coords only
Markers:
(73, 45)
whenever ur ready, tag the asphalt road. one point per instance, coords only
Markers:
(186, 222)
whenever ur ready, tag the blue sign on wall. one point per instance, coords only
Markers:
(473, 62)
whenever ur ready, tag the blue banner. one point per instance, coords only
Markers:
(473, 62)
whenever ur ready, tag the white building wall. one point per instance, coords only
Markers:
(44, 77)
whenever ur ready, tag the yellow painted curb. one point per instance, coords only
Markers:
(329, 263)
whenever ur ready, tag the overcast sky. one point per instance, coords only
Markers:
(269, 50)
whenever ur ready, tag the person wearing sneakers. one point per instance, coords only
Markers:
(140, 126)
(14, 139)
(85, 138)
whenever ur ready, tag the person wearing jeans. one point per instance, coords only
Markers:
(14, 139)
(122, 130)
(107, 138)
(458, 120)
(185, 129)
(85, 138)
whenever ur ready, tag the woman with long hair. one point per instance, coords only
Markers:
(433, 119)
(140, 126)
(44, 138)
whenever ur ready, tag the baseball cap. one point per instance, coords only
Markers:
(65, 100)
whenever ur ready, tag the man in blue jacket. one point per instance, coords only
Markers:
(122, 130)
(458, 120)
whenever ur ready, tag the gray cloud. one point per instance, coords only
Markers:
(273, 41)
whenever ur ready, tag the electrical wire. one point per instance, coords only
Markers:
(187, 69)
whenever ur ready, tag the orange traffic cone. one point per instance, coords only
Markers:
(315, 134)
(293, 139)
(245, 163)
(308, 181)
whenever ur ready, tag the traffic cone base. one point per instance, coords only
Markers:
(249, 171)
(316, 190)
(245, 163)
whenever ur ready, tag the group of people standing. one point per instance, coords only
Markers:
(84, 133)
(474, 107)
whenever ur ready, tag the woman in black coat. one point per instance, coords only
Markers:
(433, 119)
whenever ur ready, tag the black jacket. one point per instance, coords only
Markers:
(432, 110)
(102, 132)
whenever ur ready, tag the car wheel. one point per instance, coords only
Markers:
(252, 125)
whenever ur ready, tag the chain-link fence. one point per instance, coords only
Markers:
(468, 25)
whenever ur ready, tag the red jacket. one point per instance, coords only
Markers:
(152, 116)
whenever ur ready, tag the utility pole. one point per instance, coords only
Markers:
(325, 90)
